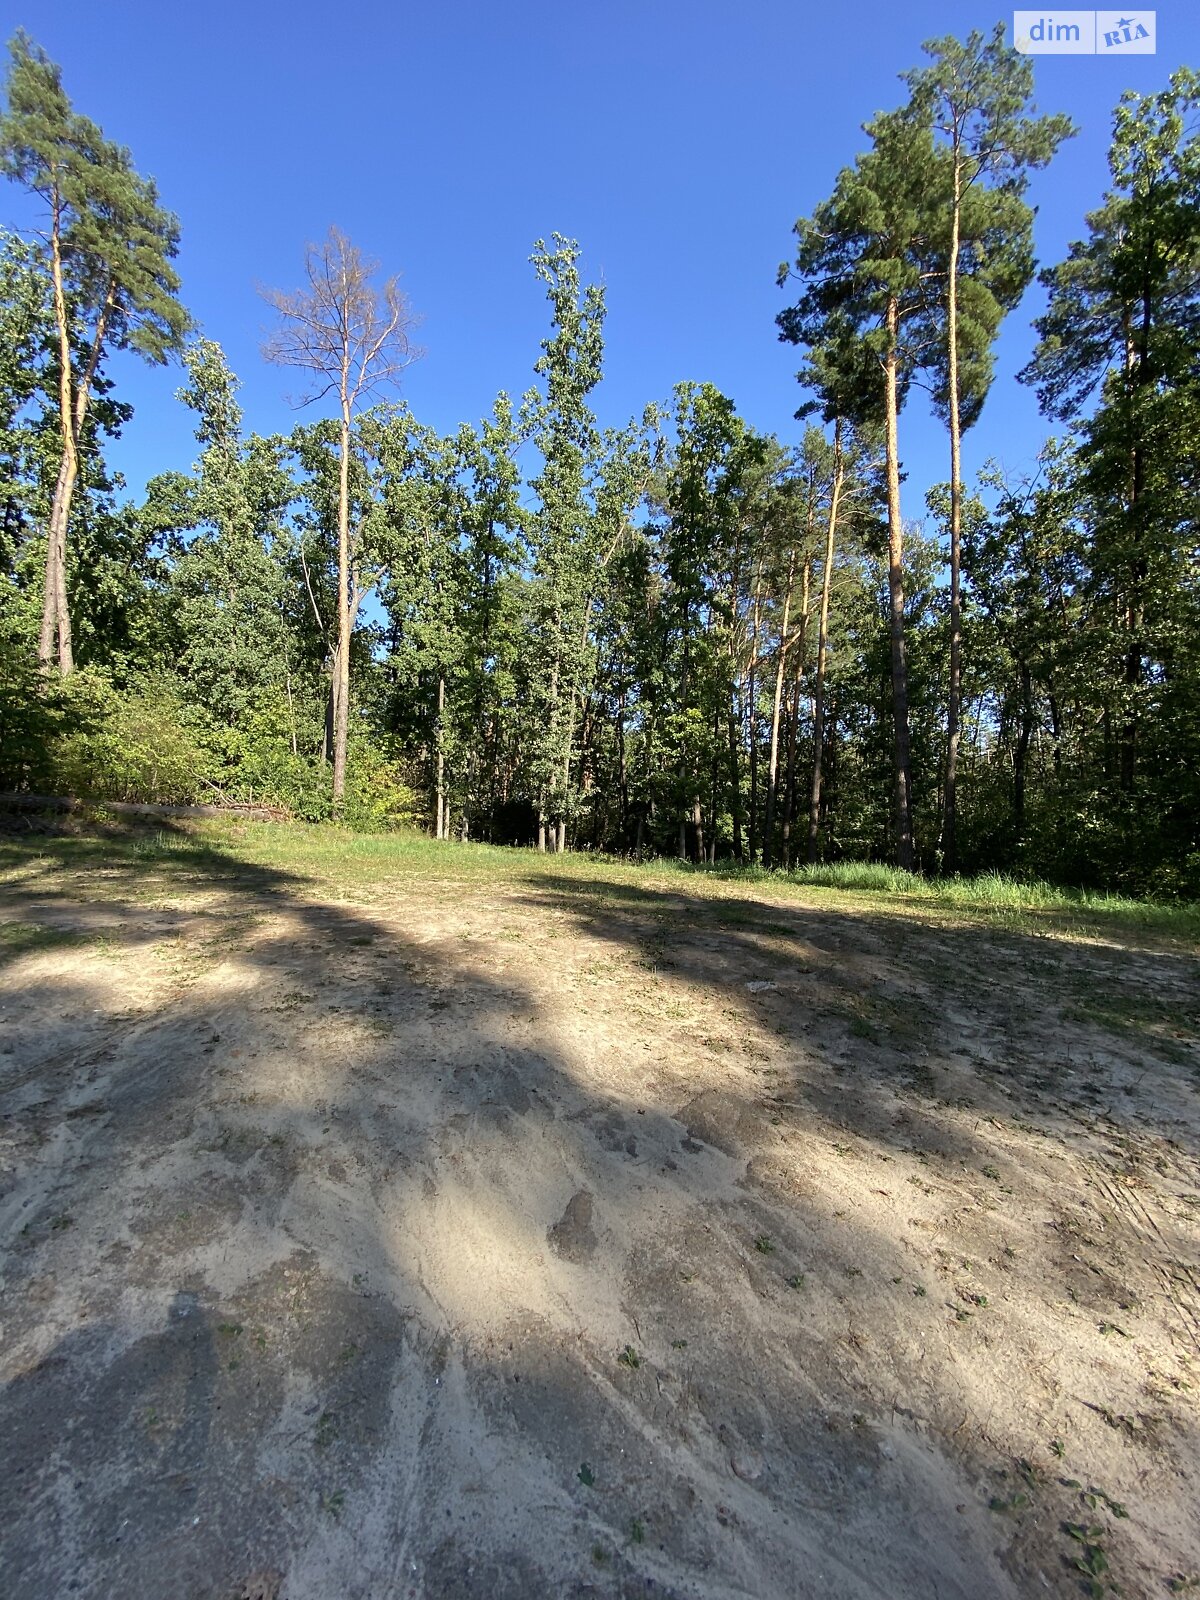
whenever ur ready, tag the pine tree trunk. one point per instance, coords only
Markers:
(814, 802)
(789, 788)
(55, 631)
(54, 638)
(773, 767)
(903, 773)
(954, 708)
(752, 722)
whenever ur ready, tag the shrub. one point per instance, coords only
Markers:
(137, 746)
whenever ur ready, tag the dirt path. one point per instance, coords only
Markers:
(564, 1238)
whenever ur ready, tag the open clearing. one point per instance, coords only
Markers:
(399, 1220)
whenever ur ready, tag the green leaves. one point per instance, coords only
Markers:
(116, 240)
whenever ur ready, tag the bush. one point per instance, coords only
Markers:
(136, 746)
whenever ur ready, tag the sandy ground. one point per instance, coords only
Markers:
(555, 1237)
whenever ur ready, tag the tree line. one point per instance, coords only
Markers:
(683, 636)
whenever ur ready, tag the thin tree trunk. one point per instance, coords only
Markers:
(735, 773)
(623, 772)
(72, 408)
(341, 701)
(954, 706)
(903, 773)
(1020, 758)
(773, 766)
(814, 802)
(50, 634)
(441, 759)
(752, 718)
(789, 788)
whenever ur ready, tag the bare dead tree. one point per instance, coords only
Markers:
(353, 336)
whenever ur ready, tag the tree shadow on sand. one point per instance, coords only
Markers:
(411, 1247)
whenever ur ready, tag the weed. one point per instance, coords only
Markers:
(1091, 1561)
(763, 1245)
(333, 1503)
(796, 1281)
(1094, 1498)
(637, 1531)
(629, 1358)
(586, 1476)
(1016, 1501)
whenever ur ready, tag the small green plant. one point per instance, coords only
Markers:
(1058, 1448)
(629, 1358)
(1094, 1498)
(586, 1476)
(1002, 1504)
(637, 1531)
(796, 1281)
(332, 1503)
(763, 1245)
(1091, 1561)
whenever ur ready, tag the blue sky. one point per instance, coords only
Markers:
(677, 142)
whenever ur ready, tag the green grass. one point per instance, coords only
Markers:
(324, 859)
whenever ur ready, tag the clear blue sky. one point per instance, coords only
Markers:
(677, 142)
